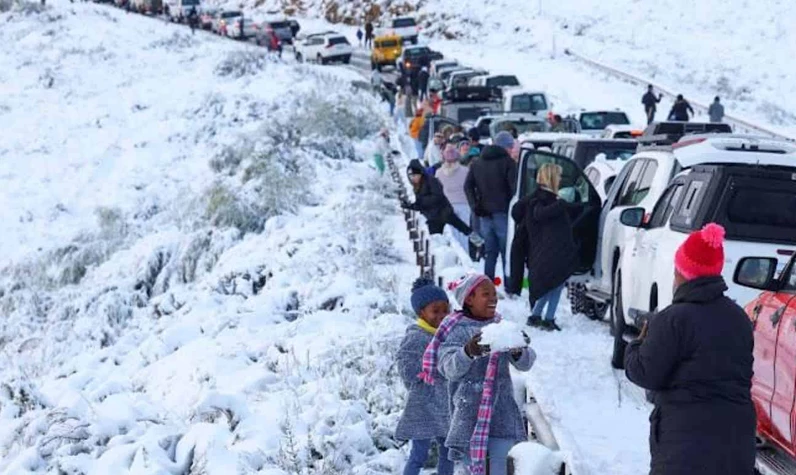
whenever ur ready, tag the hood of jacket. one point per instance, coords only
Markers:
(702, 290)
(493, 152)
(416, 166)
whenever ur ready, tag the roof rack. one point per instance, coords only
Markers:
(472, 94)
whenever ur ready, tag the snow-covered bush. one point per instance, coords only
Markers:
(22, 6)
(240, 63)
(336, 115)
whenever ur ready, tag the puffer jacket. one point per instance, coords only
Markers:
(466, 383)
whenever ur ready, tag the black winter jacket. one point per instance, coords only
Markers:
(491, 181)
(430, 200)
(544, 242)
(649, 100)
(422, 80)
(697, 358)
(680, 111)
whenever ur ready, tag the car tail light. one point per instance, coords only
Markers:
(686, 143)
(647, 217)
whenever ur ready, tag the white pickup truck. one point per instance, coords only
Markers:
(525, 101)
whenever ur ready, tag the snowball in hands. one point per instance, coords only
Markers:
(503, 336)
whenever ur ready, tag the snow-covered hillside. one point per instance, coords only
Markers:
(736, 49)
(199, 271)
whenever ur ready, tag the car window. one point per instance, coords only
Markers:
(403, 22)
(387, 44)
(502, 81)
(528, 103)
(417, 51)
(230, 14)
(689, 205)
(790, 280)
(338, 40)
(574, 186)
(594, 176)
(644, 184)
(600, 120)
(665, 205)
(630, 185)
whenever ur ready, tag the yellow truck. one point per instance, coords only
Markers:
(386, 50)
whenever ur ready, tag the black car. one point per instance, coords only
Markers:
(415, 57)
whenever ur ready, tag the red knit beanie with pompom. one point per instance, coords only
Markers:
(702, 253)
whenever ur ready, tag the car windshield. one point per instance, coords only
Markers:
(386, 44)
(189, 3)
(521, 126)
(502, 81)
(338, 40)
(417, 51)
(600, 120)
(279, 25)
(231, 14)
(465, 114)
(403, 22)
(528, 103)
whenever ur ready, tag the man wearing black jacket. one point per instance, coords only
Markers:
(696, 357)
(650, 103)
(490, 186)
(680, 110)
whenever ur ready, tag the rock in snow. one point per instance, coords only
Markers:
(502, 336)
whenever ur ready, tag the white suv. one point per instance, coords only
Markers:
(746, 184)
(405, 27)
(324, 48)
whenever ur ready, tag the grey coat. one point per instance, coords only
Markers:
(466, 377)
(716, 112)
(426, 414)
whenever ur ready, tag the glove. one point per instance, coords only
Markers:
(474, 349)
(516, 353)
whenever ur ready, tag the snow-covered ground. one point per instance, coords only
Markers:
(201, 272)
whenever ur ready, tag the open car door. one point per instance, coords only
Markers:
(575, 189)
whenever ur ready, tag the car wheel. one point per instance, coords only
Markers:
(618, 323)
(299, 58)
(347, 60)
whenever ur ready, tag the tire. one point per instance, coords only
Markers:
(299, 57)
(347, 60)
(618, 323)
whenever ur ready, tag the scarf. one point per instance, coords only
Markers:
(425, 326)
(480, 438)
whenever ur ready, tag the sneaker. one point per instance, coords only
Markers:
(477, 240)
(550, 325)
(534, 321)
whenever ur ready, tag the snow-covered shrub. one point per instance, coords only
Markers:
(22, 6)
(226, 208)
(240, 63)
(336, 115)
(177, 41)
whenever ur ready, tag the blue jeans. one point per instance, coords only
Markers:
(550, 299)
(494, 230)
(419, 454)
(419, 149)
(497, 455)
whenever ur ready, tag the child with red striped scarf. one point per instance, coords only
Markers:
(485, 419)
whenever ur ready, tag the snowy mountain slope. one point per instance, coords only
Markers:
(199, 273)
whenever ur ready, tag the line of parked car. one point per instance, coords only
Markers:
(643, 190)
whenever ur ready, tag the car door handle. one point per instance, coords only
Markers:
(777, 316)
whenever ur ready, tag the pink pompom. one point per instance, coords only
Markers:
(713, 235)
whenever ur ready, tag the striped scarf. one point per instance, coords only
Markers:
(480, 438)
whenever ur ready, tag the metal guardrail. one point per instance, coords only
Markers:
(739, 125)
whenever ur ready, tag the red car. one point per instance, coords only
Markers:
(773, 314)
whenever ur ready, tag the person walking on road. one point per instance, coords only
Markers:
(415, 127)
(368, 35)
(431, 202)
(716, 111)
(359, 36)
(544, 242)
(422, 82)
(426, 417)
(193, 20)
(696, 357)
(490, 186)
(452, 175)
(485, 419)
(650, 101)
(681, 109)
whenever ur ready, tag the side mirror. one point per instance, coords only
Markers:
(756, 273)
(632, 217)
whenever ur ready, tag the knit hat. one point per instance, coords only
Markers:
(503, 139)
(424, 292)
(451, 154)
(463, 287)
(415, 167)
(702, 253)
